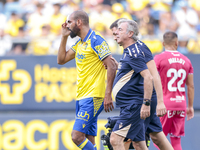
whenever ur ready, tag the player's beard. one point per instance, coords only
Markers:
(74, 31)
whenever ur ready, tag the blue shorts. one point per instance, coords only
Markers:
(152, 123)
(129, 124)
(87, 111)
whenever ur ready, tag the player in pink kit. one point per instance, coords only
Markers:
(176, 71)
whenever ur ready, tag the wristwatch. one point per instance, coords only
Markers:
(147, 102)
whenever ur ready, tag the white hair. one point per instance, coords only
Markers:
(132, 26)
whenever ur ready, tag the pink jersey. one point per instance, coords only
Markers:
(174, 68)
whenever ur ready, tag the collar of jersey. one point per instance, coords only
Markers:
(171, 50)
(129, 47)
(88, 35)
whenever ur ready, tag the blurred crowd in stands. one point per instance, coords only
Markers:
(33, 27)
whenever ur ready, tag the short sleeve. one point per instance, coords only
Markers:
(138, 63)
(100, 47)
(147, 53)
(191, 69)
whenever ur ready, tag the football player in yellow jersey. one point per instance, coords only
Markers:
(91, 51)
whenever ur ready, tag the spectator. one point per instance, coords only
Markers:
(68, 7)
(92, 3)
(135, 5)
(17, 49)
(20, 43)
(28, 7)
(42, 44)
(36, 20)
(119, 12)
(194, 44)
(3, 21)
(146, 22)
(167, 22)
(154, 18)
(13, 25)
(12, 6)
(56, 19)
(1, 7)
(187, 19)
(100, 19)
(5, 43)
(161, 6)
(195, 4)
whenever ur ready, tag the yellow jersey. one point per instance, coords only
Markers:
(90, 69)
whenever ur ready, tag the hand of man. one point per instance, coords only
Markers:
(65, 31)
(108, 103)
(145, 111)
(161, 109)
(190, 113)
